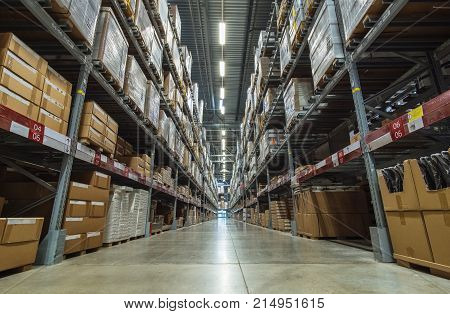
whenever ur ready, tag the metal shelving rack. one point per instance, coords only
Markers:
(405, 136)
(34, 144)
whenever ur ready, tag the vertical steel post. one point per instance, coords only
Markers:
(436, 73)
(380, 236)
(51, 248)
(294, 221)
(257, 200)
(174, 223)
(268, 198)
(150, 211)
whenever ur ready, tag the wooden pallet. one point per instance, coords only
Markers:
(16, 270)
(96, 147)
(150, 125)
(108, 77)
(81, 253)
(328, 76)
(115, 243)
(71, 30)
(127, 100)
(137, 238)
(156, 73)
(424, 266)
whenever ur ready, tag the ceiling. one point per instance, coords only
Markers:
(200, 32)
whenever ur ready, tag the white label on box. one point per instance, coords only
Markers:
(102, 175)
(93, 234)
(104, 159)
(73, 237)
(85, 149)
(73, 219)
(77, 202)
(21, 221)
(47, 81)
(22, 63)
(19, 129)
(17, 78)
(80, 185)
(98, 203)
(53, 101)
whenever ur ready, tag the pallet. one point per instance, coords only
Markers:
(81, 253)
(137, 237)
(424, 266)
(115, 243)
(150, 125)
(124, 5)
(328, 76)
(70, 29)
(15, 270)
(310, 8)
(108, 77)
(127, 100)
(156, 73)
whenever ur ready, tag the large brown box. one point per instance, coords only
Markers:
(15, 230)
(79, 225)
(19, 86)
(94, 240)
(56, 97)
(405, 200)
(52, 122)
(109, 147)
(11, 42)
(90, 120)
(336, 225)
(85, 192)
(95, 137)
(97, 209)
(438, 230)
(111, 136)
(134, 163)
(11, 61)
(94, 178)
(17, 254)
(75, 208)
(93, 108)
(75, 243)
(18, 104)
(408, 234)
(112, 125)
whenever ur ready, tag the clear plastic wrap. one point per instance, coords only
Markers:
(157, 54)
(84, 15)
(143, 23)
(200, 111)
(163, 125)
(296, 97)
(285, 51)
(325, 42)
(171, 135)
(111, 46)
(135, 85)
(170, 38)
(176, 19)
(152, 104)
(353, 11)
(177, 59)
(163, 10)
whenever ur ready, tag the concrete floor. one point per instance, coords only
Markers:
(224, 257)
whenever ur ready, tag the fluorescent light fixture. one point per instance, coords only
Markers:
(223, 144)
(224, 132)
(222, 93)
(222, 68)
(222, 109)
(222, 30)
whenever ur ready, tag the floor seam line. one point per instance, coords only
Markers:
(239, 262)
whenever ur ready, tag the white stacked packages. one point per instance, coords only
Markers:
(325, 41)
(138, 212)
(117, 220)
(125, 215)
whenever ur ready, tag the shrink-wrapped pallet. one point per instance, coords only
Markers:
(176, 19)
(111, 47)
(163, 12)
(156, 56)
(285, 51)
(144, 25)
(163, 128)
(152, 103)
(135, 85)
(325, 42)
(296, 97)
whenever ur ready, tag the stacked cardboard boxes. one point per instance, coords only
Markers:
(324, 212)
(19, 240)
(280, 215)
(138, 163)
(87, 203)
(97, 128)
(30, 87)
(123, 148)
(418, 213)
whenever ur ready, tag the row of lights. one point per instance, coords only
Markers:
(222, 41)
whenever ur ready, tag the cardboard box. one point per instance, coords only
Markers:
(111, 136)
(88, 119)
(19, 86)
(133, 162)
(53, 106)
(93, 108)
(341, 201)
(109, 146)
(406, 200)
(438, 230)
(94, 178)
(75, 243)
(14, 230)
(97, 209)
(147, 173)
(18, 104)
(52, 122)
(75, 208)
(429, 200)
(408, 234)
(15, 190)
(79, 225)
(58, 84)
(146, 158)
(11, 61)
(11, 42)
(94, 240)
(85, 192)
(336, 225)
(18, 254)
(92, 135)
(113, 125)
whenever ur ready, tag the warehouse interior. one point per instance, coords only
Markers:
(224, 146)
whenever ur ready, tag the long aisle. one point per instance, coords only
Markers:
(224, 256)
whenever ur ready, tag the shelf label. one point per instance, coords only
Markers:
(397, 129)
(19, 129)
(415, 125)
(36, 132)
(335, 160)
(321, 164)
(415, 114)
(103, 158)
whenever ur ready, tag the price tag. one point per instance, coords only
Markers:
(36, 132)
(97, 159)
(397, 129)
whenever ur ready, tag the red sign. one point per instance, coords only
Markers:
(36, 132)
(341, 157)
(97, 159)
(397, 129)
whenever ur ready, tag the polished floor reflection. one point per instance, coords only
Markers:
(224, 256)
